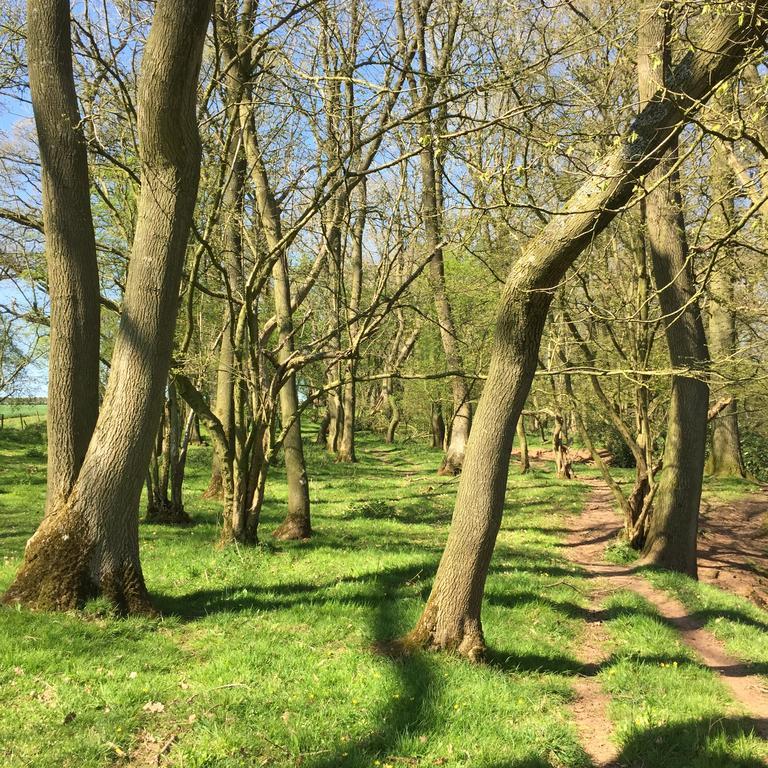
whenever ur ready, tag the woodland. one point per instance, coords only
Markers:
(383, 383)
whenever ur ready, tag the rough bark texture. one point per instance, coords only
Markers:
(451, 618)
(70, 247)
(89, 542)
(673, 527)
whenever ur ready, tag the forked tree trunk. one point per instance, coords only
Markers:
(70, 246)
(673, 527)
(451, 617)
(89, 542)
(165, 503)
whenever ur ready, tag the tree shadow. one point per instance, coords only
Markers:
(690, 744)
(372, 587)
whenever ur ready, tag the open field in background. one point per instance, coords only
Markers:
(267, 656)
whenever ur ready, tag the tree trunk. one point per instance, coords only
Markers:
(70, 246)
(322, 431)
(394, 417)
(673, 526)
(461, 420)
(297, 524)
(347, 442)
(451, 617)
(89, 542)
(438, 425)
(165, 504)
(525, 462)
(725, 459)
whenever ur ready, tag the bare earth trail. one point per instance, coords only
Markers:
(733, 546)
(590, 533)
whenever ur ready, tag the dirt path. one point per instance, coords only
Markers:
(733, 546)
(590, 534)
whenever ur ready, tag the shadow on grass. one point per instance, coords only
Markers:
(690, 744)
(372, 587)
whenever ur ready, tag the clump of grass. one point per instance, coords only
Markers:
(620, 552)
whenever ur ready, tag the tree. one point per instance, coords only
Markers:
(451, 617)
(73, 275)
(88, 542)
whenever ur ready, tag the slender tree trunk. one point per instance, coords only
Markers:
(89, 542)
(297, 523)
(725, 459)
(322, 431)
(394, 417)
(347, 442)
(438, 425)
(451, 617)
(673, 527)
(461, 420)
(525, 462)
(70, 247)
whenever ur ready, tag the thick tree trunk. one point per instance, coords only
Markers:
(70, 246)
(451, 618)
(89, 542)
(673, 527)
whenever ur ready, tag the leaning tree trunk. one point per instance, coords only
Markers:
(70, 246)
(451, 617)
(89, 542)
(673, 526)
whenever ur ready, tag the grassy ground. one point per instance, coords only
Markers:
(266, 656)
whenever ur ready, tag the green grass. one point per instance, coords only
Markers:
(265, 656)
(739, 623)
(667, 709)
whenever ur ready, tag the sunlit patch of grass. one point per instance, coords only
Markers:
(268, 655)
(667, 708)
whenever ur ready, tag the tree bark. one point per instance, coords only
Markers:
(297, 523)
(347, 442)
(451, 617)
(438, 425)
(673, 526)
(725, 459)
(525, 461)
(70, 246)
(89, 542)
